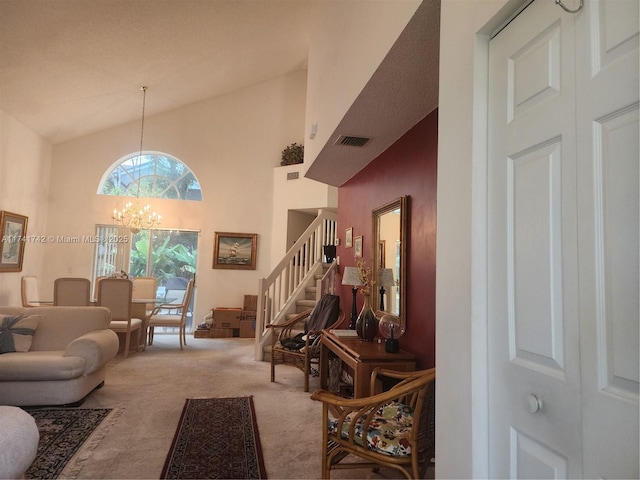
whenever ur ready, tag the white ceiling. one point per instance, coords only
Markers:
(72, 67)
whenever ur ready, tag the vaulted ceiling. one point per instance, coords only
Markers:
(72, 67)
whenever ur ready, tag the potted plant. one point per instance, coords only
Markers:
(292, 154)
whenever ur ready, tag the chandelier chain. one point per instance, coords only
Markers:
(134, 217)
(144, 101)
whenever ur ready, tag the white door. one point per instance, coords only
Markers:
(546, 263)
(608, 230)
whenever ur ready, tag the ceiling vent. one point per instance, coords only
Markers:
(351, 141)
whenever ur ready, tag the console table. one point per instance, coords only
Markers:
(361, 358)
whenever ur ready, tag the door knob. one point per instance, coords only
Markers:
(534, 403)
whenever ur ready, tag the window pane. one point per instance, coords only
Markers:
(152, 176)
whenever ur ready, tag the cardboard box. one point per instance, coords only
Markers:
(248, 315)
(201, 333)
(220, 332)
(247, 328)
(226, 318)
(250, 302)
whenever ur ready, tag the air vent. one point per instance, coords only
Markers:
(351, 141)
(293, 175)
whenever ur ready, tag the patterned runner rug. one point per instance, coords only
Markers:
(67, 438)
(216, 438)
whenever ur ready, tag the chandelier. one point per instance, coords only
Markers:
(133, 216)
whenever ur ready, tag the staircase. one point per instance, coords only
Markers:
(298, 281)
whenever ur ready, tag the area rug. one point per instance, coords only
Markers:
(67, 438)
(216, 438)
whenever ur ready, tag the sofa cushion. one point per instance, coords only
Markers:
(39, 366)
(16, 332)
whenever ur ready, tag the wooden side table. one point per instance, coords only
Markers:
(361, 358)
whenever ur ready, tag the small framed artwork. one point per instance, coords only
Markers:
(348, 238)
(13, 229)
(236, 251)
(357, 246)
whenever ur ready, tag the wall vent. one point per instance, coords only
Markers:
(293, 175)
(351, 141)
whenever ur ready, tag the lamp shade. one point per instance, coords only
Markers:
(386, 278)
(350, 276)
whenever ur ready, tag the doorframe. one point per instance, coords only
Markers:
(480, 425)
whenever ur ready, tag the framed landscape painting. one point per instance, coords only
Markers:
(235, 250)
(13, 229)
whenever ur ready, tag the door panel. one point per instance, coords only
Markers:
(564, 243)
(535, 320)
(534, 355)
(609, 212)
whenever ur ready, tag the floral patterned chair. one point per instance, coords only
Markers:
(394, 429)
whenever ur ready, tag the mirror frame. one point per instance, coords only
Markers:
(401, 203)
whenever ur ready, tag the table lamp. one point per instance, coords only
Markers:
(350, 277)
(392, 328)
(385, 280)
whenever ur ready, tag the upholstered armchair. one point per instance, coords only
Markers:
(394, 429)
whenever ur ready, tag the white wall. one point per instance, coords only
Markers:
(461, 408)
(232, 143)
(350, 40)
(25, 163)
(300, 194)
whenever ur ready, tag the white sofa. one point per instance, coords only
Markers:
(67, 358)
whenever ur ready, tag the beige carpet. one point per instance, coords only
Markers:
(152, 386)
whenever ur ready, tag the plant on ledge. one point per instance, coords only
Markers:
(292, 154)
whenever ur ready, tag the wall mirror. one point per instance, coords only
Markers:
(389, 258)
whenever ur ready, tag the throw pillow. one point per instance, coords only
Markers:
(16, 332)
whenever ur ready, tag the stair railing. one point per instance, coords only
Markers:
(278, 292)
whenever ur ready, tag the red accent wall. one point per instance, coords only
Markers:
(408, 167)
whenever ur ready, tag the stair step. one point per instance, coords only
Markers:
(310, 293)
(305, 304)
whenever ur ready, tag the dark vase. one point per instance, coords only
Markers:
(367, 322)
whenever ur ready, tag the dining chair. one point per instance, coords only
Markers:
(71, 292)
(163, 316)
(116, 295)
(96, 282)
(143, 288)
(29, 291)
(394, 429)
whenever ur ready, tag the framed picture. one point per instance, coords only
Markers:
(13, 229)
(357, 246)
(348, 238)
(235, 251)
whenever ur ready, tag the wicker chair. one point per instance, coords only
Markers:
(398, 425)
(304, 357)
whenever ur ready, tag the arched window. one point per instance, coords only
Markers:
(153, 175)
